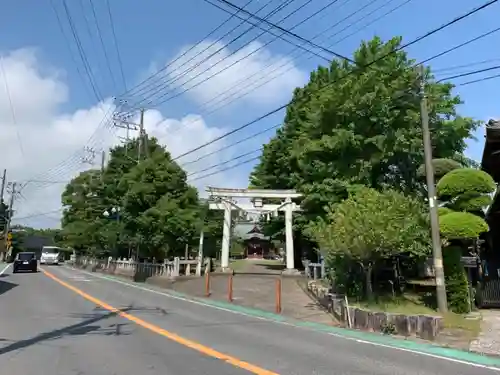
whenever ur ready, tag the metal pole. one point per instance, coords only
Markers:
(431, 191)
(4, 179)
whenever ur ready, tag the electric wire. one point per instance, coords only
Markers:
(358, 70)
(173, 96)
(199, 63)
(115, 42)
(103, 46)
(285, 31)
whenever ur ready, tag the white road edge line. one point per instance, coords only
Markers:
(436, 356)
(4, 269)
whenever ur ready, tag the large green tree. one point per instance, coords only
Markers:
(371, 226)
(350, 125)
(158, 212)
(159, 206)
(82, 220)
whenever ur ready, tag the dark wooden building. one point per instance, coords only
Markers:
(256, 244)
(489, 293)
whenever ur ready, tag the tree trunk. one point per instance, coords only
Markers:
(368, 268)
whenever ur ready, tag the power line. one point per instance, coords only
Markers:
(231, 145)
(99, 34)
(241, 88)
(288, 32)
(226, 162)
(11, 106)
(420, 63)
(171, 62)
(466, 43)
(221, 103)
(166, 66)
(470, 73)
(248, 55)
(68, 44)
(191, 68)
(479, 80)
(81, 52)
(439, 70)
(115, 41)
(225, 169)
(232, 54)
(426, 35)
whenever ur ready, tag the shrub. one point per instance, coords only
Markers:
(457, 288)
(464, 181)
(461, 226)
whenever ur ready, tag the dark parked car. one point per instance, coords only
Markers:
(25, 262)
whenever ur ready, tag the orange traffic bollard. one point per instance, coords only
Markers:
(230, 288)
(207, 284)
(278, 296)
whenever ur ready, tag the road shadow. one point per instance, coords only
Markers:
(84, 327)
(5, 286)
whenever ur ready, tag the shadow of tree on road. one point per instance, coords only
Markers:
(84, 327)
(5, 286)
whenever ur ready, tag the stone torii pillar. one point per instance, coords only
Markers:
(225, 201)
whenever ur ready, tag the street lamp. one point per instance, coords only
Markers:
(115, 212)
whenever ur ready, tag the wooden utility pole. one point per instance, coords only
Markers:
(437, 253)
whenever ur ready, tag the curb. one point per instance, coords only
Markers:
(431, 350)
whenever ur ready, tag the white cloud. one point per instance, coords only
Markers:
(240, 71)
(52, 142)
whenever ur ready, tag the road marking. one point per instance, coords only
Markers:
(4, 269)
(162, 332)
(291, 324)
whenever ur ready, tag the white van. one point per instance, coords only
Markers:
(50, 255)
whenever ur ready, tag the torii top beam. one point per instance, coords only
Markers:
(251, 193)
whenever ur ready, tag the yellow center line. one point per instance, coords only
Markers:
(162, 332)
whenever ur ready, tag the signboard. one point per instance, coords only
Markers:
(469, 262)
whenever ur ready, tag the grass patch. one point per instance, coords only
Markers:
(238, 265)
(412, 304)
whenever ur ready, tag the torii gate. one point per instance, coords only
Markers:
(224, 201)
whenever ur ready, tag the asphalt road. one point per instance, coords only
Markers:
(50, 328)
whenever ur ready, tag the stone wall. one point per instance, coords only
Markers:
(426, 327)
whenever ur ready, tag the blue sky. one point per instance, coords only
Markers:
(151, 33)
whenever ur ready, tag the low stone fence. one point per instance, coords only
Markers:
(142, 271)
(426, 327)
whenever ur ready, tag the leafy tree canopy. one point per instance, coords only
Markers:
(440, 166)
(372, 225)
(461, 226)
(149, 206)
(465, 181)
(360, 126)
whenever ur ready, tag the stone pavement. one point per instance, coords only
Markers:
(255, 287)
(488, 341)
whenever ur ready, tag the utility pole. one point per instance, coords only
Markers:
(103, 160)
(437, 253)
(9, 218)
(141, 137)
(4, 180)
(123, 122)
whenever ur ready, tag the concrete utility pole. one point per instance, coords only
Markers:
(142, 143)
(103, 161)
(4, 180)
(9, 218)
(431, 191)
